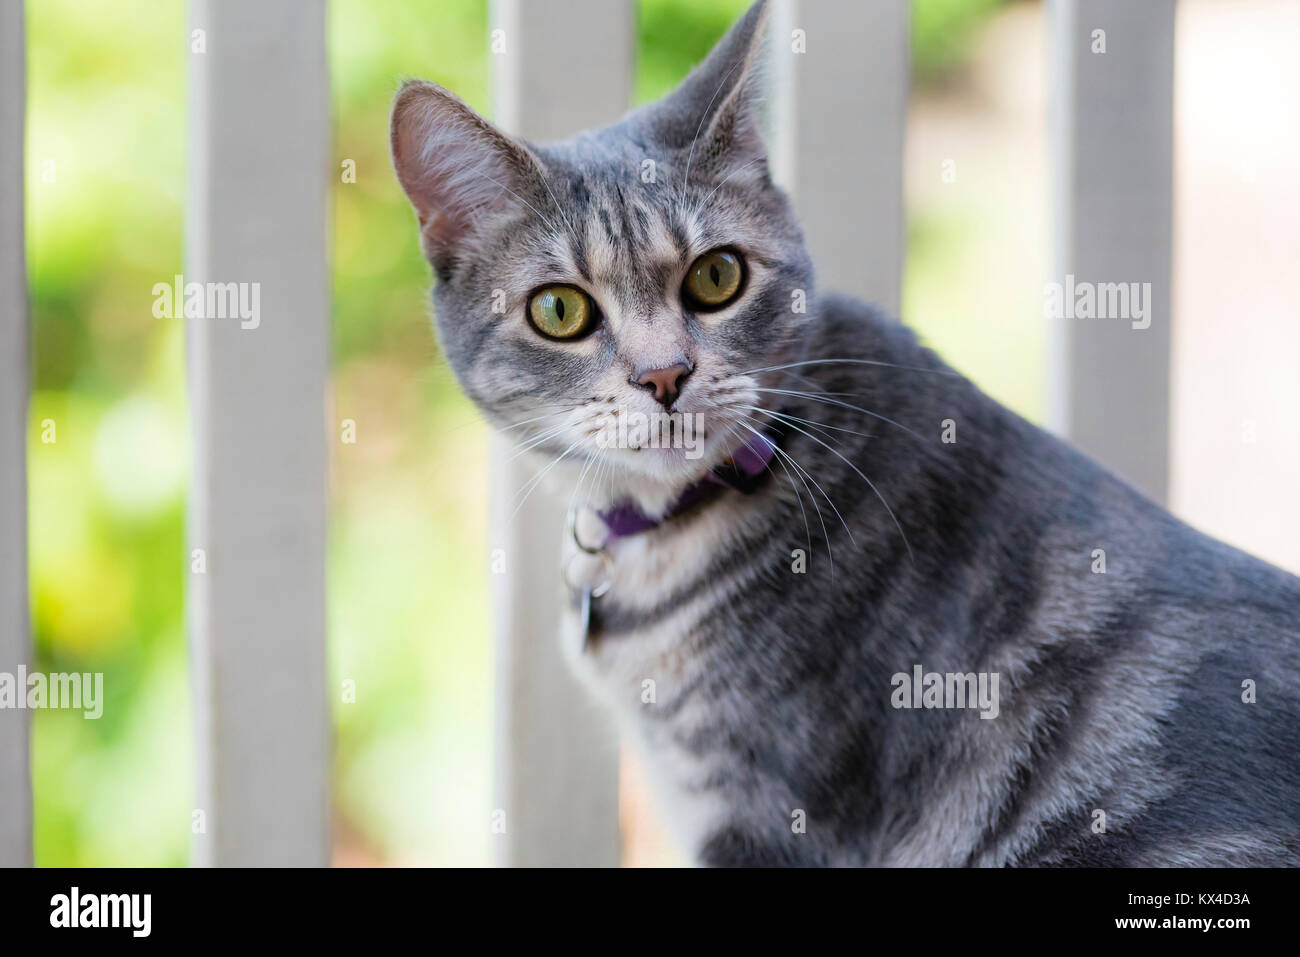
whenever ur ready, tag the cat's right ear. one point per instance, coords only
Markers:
(456, 167)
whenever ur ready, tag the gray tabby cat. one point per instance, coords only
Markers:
(1147, 715)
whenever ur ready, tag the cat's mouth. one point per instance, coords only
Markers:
(617, 444)
(669, 443)
(675, 445)
(669, 448)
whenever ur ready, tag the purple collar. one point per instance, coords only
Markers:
(744, 472)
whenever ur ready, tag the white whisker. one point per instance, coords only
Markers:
(537, 479)
(845, 405)
(860, 362)
(864, 478)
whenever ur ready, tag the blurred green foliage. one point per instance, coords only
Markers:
(942, 31)
(106, 182)
(106, 156)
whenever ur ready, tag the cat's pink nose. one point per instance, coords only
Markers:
(665, 383)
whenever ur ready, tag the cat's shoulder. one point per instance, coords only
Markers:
(854, 321)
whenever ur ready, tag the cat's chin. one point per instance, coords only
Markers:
(655, 478)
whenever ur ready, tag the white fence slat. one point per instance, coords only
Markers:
(839, 122)
(15, 643)
(1114, 200)
(557, 765)
(260, 166)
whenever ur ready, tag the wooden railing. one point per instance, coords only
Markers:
(15, 645)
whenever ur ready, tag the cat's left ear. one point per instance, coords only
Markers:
(714, 113)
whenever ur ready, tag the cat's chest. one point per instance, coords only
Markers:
(657, 644)
(640, 660)
(637, 635)
(662, 611)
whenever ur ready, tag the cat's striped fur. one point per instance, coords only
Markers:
(772, 736)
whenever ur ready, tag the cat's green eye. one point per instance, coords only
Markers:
(561, 312)
(713, 280)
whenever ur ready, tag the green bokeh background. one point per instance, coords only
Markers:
(408, 621)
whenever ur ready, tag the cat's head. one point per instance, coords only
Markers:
(641, 273)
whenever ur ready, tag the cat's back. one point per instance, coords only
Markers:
(1151, 673)
(1229, 728)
